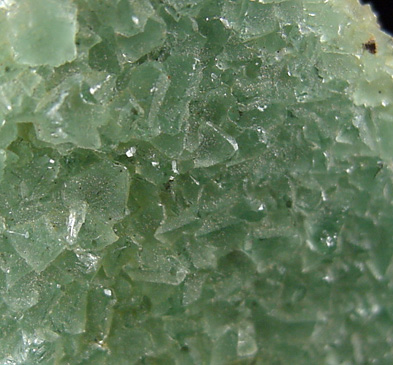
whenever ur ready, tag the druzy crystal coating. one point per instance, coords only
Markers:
(195, 182)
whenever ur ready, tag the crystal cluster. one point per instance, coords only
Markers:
(195, 182)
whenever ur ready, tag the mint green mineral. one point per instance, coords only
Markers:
(42, 32)
(195, 182)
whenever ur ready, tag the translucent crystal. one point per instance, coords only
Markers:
(42, 32)
(195, 182)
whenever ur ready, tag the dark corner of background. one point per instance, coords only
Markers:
(384, 11)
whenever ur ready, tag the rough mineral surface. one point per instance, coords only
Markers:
(195, 182)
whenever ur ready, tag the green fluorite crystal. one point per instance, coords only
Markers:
(195, 182)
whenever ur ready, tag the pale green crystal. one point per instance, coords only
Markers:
(42, 32)
(195, 182)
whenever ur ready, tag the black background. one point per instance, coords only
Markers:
(384, 11)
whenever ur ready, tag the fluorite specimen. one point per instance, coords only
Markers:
(195, 182)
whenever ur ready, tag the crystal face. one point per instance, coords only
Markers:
(42, 32)
(195, 182)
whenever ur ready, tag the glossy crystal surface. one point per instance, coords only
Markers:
(195, 182)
